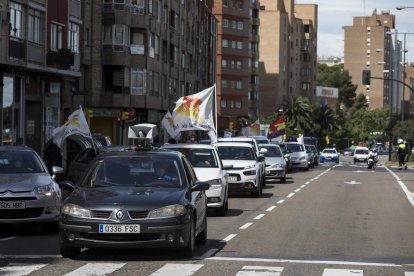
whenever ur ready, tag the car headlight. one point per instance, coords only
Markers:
(302, 158)
(46, 190)
(277, 166)
(215, 183)
(251, 172)
(76, 211)
(167, 211)
(249, 167)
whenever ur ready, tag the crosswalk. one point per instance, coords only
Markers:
(181, 269)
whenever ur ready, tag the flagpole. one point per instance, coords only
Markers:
(215, 111)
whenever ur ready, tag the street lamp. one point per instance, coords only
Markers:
(403, 7)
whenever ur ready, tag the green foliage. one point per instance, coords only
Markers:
(404, 130)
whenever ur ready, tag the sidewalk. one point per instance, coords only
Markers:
(406, 176)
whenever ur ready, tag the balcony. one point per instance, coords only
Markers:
(17, 48)
(62, 59)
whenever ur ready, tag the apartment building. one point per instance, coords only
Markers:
(39, 62)
(288, 48)
(237, 61)
(368, 44)
(139, 57)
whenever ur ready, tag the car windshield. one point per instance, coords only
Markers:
(235, 153)
(361, 151)
(202, 158)
(295, 147)
(138, 171)
(272, 152)
(329, 151)
(20, 162)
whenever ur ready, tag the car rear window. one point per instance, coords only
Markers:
(20, 162)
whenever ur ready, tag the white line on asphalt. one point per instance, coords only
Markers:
(297, 190)
(402, 185)
(178, 269)
(259, 216)
(17, 269)
(306, 183)
(281, 201)
(341, 272)
(300, 261)
(8, 238)
(245, 226)
(96, 269)
(249, 270)
(290, 195)
(271, 208)
(229, 237)
(303, 186)
(409, 274)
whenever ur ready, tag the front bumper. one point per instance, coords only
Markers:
(154, 233)
(243, 183)
(216, 196)
(275, 173)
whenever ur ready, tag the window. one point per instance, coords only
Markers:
(224, 63)
(56, 32)
(117, 34)
(231, 104)
(35, 26)
(73, 37)
(224, 83)
(239, 64)
(238, 104)
(223, 103)
(240, 25)
(137, 81)
(16, 20)
(225, 23)
(225, 43)
(239, 45)
(238, 84)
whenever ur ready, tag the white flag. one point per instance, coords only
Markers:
(195, 112)
(168, 124)
(76, 124)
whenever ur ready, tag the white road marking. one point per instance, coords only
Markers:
(245, 226)
(353, 182)
(297, 190)
(260, 270)
(96, 269)
(20, 269)
(228, 238)
(281, 201)
(409, 274)
(178, 269)
(402, 185)
(8, 238)
(301, 261)
(260, 216)
(341, 272)
(303, 186)
(306, 183)
(290, 195)
(270, 208)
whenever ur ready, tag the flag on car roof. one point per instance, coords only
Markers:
(168, 124)
(276, 128)
(195, 112)
(255, 128)
(76, 124)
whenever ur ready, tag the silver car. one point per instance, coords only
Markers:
(275, 162)
(28, 194)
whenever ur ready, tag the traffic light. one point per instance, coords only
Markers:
(125, 115)
(90, 113)
(366, 77)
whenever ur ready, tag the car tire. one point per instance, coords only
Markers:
(221, 212)
(258, 192)
(201, 239)
(283, 180)
(71, 252)
(188, 250)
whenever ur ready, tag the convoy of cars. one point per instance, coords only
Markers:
(116, 196)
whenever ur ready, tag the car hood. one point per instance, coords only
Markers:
(205, 174)
(329, 154)
(239, 164)
(151, 197)
(22, 182)
(275, 160)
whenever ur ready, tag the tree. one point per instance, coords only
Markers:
(297, 112)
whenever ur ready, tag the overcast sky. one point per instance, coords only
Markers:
(334, 14)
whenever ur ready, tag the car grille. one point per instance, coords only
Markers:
(21, 213)
(138, 214)
(121, 237)
(101, 214)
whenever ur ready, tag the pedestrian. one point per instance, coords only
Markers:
(401, 154)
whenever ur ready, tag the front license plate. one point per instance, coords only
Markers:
(12, 205)
(119, 228)
(233, 178)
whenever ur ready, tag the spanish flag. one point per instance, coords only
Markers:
(276, 128)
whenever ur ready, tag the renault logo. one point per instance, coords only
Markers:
(119, 214)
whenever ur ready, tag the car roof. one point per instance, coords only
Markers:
(149, 153)
(234, 144)
(235, 139)
(330, 149)
(15, 148)
(188, 146)
(268, 145)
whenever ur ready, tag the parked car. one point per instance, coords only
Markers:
(361, 154)
(135, 199)
(245, 176)
(275, 162)
(286, 154)
(260, 139)
(259, 152)
(329, 155)
(298, 155)
(208, 168)
(313, 155)
(28, 194)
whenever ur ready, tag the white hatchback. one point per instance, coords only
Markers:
(361, 154)
(209, 168)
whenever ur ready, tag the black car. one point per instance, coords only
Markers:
(138, 199)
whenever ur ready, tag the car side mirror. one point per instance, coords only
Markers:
(228, 167)
(261, 158)
(200, 186)
(66, 185)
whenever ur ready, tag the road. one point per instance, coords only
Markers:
(335, 219)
